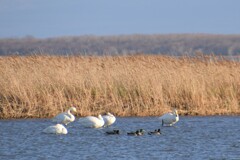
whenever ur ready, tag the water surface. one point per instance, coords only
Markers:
(216, 137)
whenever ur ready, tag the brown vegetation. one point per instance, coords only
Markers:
(143, 85)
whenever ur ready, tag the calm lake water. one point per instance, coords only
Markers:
(216, 137)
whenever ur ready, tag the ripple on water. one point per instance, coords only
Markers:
(192, 138)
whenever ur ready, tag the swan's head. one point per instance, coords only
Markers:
(176, 112)
(73, 109)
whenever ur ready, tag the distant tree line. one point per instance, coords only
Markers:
(171, 44)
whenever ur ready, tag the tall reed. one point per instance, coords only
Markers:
(140, 85)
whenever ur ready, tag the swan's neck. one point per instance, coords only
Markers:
(70, 115)
(100, 117)
(176, 113)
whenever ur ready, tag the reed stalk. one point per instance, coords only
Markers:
(140, 85)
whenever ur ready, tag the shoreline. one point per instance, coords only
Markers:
(77, 117)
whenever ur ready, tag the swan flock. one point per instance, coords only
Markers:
(63, 119)
(89, 122)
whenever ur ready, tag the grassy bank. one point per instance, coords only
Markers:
(42, 86)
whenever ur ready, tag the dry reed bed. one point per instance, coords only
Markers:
(143, 85)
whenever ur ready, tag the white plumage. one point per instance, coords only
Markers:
(56, 129)
(170, 118)
(109, 119)
(65, 117)
(91, 121)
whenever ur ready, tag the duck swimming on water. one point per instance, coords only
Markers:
(155, 132)
(114, 132)
(139, 132)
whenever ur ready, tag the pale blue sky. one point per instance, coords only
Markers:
(53, 18)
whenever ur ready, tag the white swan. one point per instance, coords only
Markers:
(170, 118)
(91, 121)
(109, 119)
(56, 129)
(65, 117)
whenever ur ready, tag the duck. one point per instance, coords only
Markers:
(109, 119)
(65, 117)
(139, 132)
(169, 119)
(114, 132)
(155, 132)
(55, 129)
(91, 121)
(136, 133)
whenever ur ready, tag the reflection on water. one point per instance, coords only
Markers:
(191, 138)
